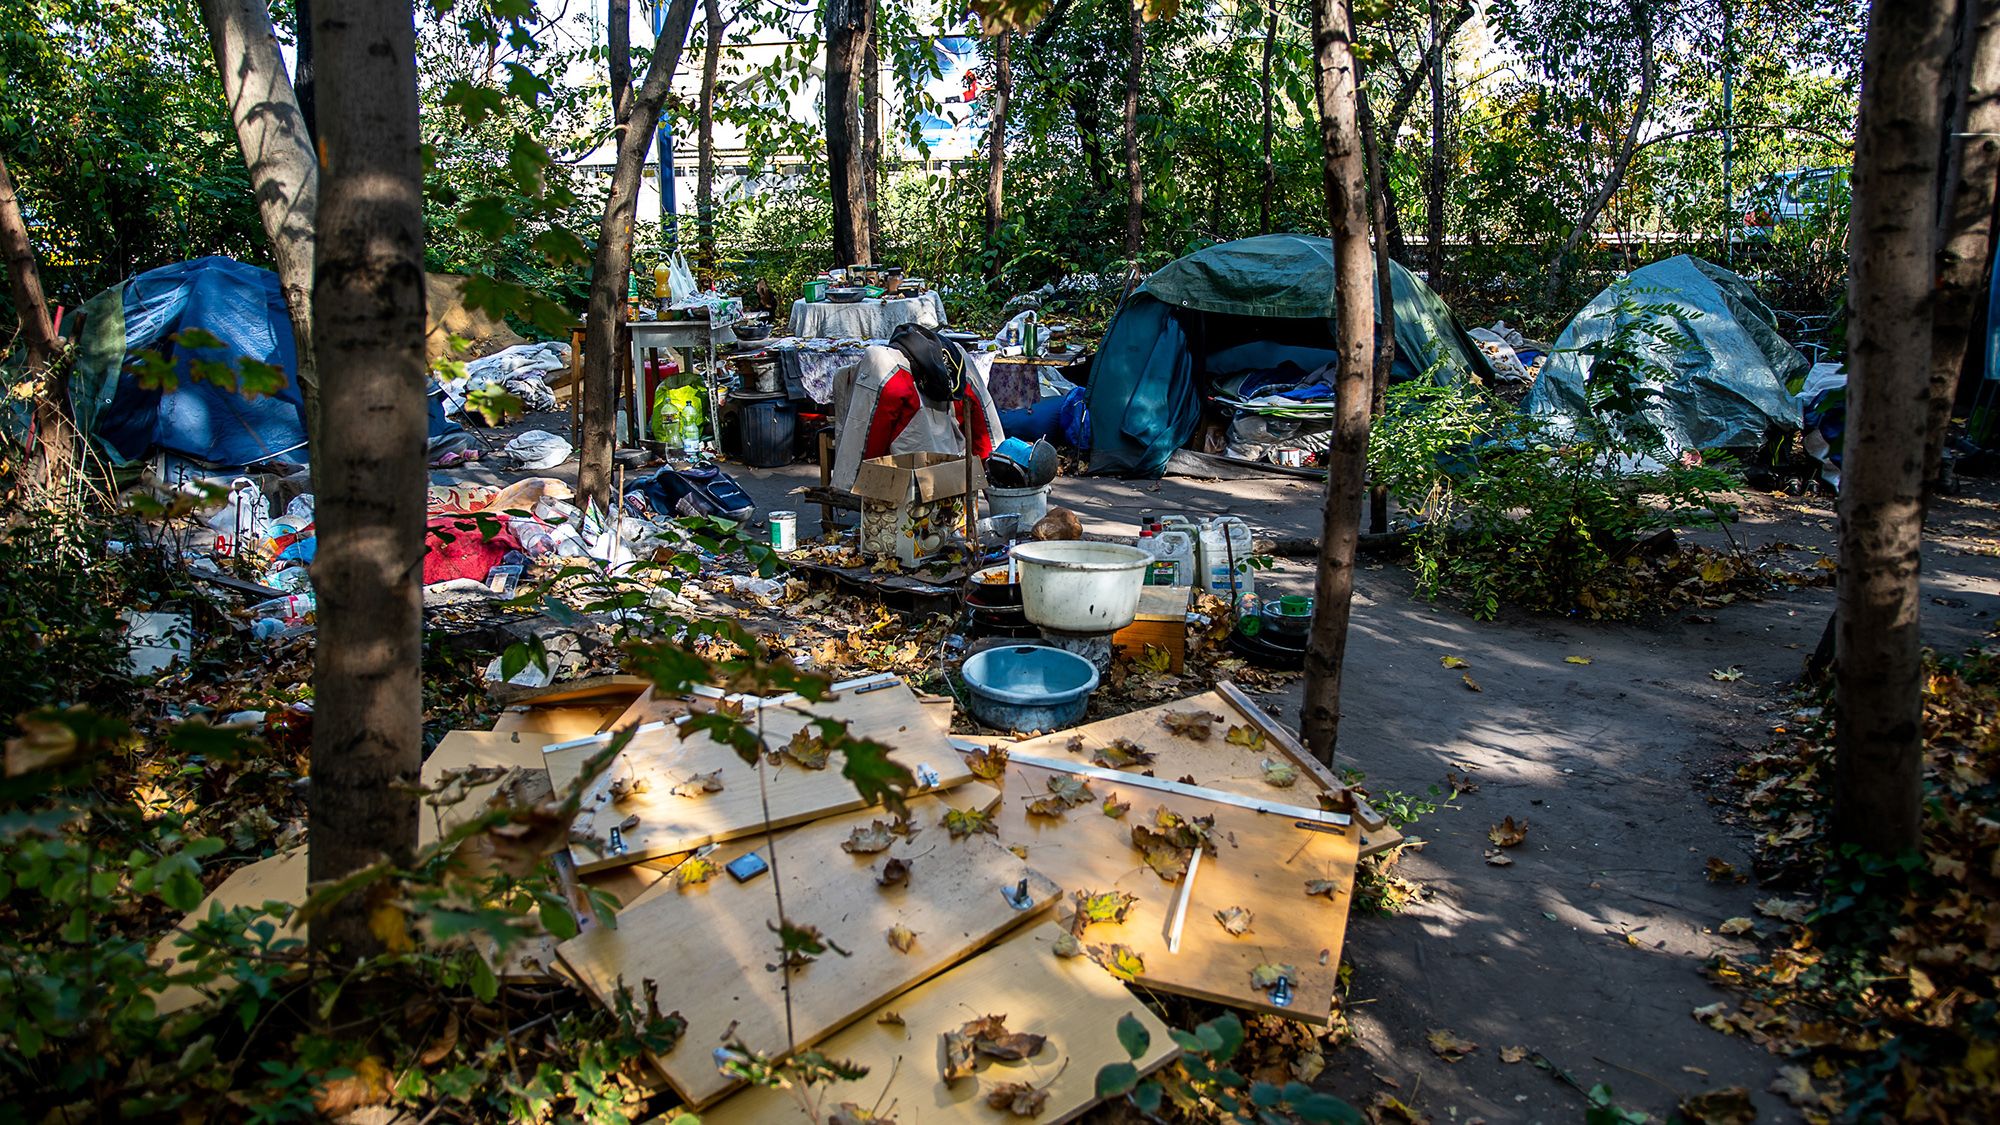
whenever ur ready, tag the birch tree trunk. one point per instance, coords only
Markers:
(846, 34)
(1878, 772)
(711, 64)
(284, 172)
(1336, 81)
(1965, 220)
(996, 149)
(1135, 181)
(1622, 161)
(53, 457)
(368, 322)
(611, 265)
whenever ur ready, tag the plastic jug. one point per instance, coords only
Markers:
(1223, 550)
(1173, 558)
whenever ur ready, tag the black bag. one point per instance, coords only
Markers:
(937, 363)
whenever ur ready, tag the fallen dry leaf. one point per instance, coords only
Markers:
(1247, 737)
(700, 785)
(1785, 910)
(965, 822)
(890, 1019)
(1327, 887)
(1099, 906)
(1721, 871)
(1121, 753)
(1446, 1044)
(1066, 945)
(694, 871)
(1513, 1054)
(867, 841)
(1507, 834)
(1497, 858)
(1471, 683)
(902, 938)
(1282, 775)
(1018, 1098)
(1576, 660)
(895, 873)
(1737, 925)
(1726, 675)
(1192, 725)
(987, 764)
(807, 750)
(1121, 961)
(1235, 920)
(625, 788)
(1729, 1105)
(1115, 808)
(1268, 976)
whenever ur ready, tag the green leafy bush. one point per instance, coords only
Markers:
(1540, 512)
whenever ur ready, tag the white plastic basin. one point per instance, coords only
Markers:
(1079, 586)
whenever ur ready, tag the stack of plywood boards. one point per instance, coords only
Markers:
(966, 908)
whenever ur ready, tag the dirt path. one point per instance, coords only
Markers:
(1587, 948)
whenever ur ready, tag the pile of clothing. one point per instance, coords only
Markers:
(1515, 358)
(521, 371)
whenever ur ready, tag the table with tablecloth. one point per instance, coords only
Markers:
(872, 318)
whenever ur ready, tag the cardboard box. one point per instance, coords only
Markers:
(1160, 623)
(913, 504)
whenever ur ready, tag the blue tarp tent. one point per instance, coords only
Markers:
(1235, 307)
(1728, 387)
(239, 305)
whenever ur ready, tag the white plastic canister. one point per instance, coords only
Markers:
(1223, 552)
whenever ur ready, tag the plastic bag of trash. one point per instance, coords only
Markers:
(244, 523)
(539, 449)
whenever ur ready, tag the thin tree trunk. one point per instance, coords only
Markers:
(711, 65)
(1346, 169)
(618, 28)
(54, 453)
(302, 67)
(996, 149)
(846, 33)
(1965, 220)
(1434, 196)
(368, 320)
(871, 132)
(1878, 772)
(1385, 302)
(611, 266)
(1089, 124)
(1270, 191)
(1623, 161)
(1135, 181)
(284, 171)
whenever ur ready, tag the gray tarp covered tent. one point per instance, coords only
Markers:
(1730, 386)
(1234, 307)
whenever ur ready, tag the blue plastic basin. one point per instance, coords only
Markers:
(1028, 687)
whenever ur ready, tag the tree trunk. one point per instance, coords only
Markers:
(711, 65)
(1385, 301)
(846, 33)
(618, 28)
(1270, 186)
(1399, 109)
(302, 67)
(1623, 160)
(53, 457)
(368, 321)
(1434, 197)
(1089, 126)
(1135, 181)
(1336, 83)
(1965, 220)
(611, 266)
(1878, 773)
(996, 141)
(871, 132)
(284, 170)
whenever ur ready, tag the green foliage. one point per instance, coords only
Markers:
(1532, 511)
(1200, 1084)
(59, 611)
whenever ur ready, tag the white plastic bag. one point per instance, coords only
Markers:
(244, 521)
(539, 449)
(680, 279)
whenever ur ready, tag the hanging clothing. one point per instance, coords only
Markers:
(882, 412)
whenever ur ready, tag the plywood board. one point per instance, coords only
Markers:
(709, 946)
(1067, 999)
(474, 749)
(564, 721)
(613, 687)
(1262, 864)
(663, 760)
(1215, 763)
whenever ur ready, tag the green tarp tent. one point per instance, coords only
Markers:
(1240, 306)
(1727, 388)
